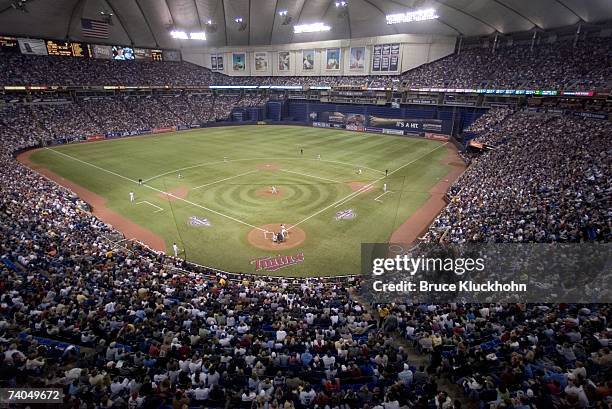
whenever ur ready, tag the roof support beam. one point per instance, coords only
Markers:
(273, 22)
(74, 9)
(195, 5)
(570, 9)
(147, 22)
(383, 14)
(299, 16)
(517, 13)
(224, 22)
(468, 14)
(120, 21)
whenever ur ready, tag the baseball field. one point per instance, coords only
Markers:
(210, 191)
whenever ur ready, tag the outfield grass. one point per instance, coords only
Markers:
(311, 188)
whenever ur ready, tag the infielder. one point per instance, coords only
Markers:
(274, 191)
(131, 197)
(359, 171)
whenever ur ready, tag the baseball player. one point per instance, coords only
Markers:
(301, 151)
(175, 249)
(385, 188)
(359, 171)
(180, 176)
(131, 197)
(386, 172)
(284, 230)
(319, 156)
(274, 191)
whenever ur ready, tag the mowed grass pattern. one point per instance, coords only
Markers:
(310, 187)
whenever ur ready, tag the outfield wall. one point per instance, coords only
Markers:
(452, 119)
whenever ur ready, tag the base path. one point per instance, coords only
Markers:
(263, 241)
(177, 193)
(419, 221)
(129, 229)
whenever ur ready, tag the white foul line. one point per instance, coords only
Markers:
(222, 180)
(381, 195)
(156, 190)
(364, 188)
(159, 209)
(310, 176)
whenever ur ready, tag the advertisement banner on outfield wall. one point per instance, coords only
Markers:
(355, 122)
(320, 124)
(392, 131)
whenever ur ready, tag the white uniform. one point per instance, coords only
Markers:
(274, 191)
(175, 249)
(319, 156)
(385, 188)
(132, 197)
(359, 171)
(283, 230)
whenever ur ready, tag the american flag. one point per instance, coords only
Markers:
(95, 28)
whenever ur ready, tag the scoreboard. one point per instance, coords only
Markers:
(33, 46)
(156, 55)
(67, 49)
(9, 43)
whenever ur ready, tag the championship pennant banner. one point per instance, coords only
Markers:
(385, 58)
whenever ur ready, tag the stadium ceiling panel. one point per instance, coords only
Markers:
(147, 22)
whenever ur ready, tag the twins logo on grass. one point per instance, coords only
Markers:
(347, 214)
(196, 221)
(273, 263)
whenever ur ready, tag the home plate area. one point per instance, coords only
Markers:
(262, 237)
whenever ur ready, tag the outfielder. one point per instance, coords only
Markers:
(131, 197)
(385, 188)
(175, 249)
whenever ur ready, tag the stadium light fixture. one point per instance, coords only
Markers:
(311, 28)
(411, 16)
(198, 35)
(179, 35)
(341, 4)
(286, 17)
(182, 35)
(241, 24)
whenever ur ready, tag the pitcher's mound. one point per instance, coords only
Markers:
(267, 192)
(268, 166)
(258, 239)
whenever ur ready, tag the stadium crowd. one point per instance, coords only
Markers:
(547, 179)
(558, 65)
(119, 327)
(126, 327)
(121, 115)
